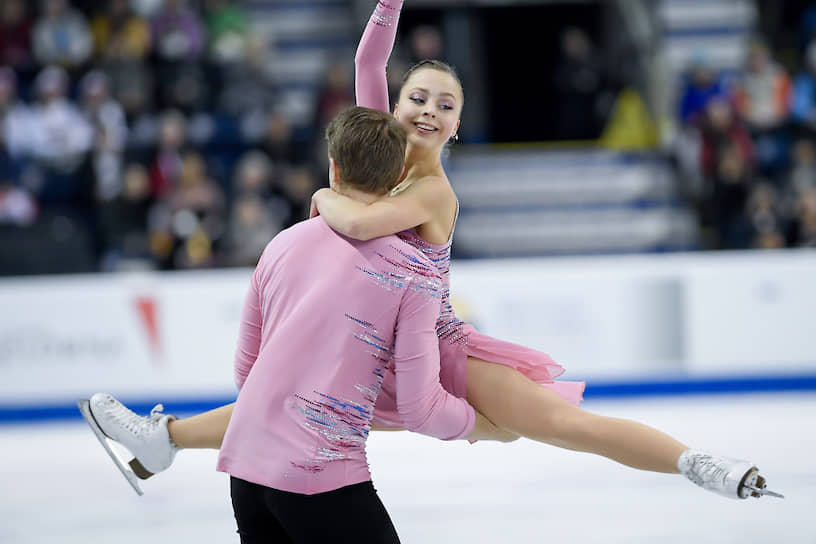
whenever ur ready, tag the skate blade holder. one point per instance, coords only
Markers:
(756, 486)
(133, 470)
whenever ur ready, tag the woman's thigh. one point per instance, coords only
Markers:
(514, 402)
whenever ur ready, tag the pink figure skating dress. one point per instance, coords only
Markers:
(457, 339)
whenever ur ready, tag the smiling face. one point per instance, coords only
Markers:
(429, 107)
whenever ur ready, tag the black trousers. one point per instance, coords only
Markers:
(350, 514)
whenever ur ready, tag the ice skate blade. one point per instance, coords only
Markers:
(759, 492)
(85, 409)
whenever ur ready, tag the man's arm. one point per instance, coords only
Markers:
(249, 331)
(424, 406)
(483, 429)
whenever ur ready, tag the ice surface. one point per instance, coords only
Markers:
(59, 486)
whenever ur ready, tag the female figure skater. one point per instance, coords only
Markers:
(512, 386)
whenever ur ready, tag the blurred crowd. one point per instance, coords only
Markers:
(152, 134)
(750, 147)
(147, 134)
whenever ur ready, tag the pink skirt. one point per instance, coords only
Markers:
(536, 365)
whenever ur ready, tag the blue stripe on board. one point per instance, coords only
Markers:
(63, 412)
(708, 32)
(701, 386)
(596, 389)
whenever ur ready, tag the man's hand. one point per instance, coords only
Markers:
(484, 429)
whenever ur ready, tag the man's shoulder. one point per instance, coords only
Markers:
(308, 228)
(304, 233)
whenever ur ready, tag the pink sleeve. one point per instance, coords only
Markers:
(249, 332)
(423, 405)
(370, 83)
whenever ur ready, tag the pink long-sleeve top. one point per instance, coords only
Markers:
(325, 319)
(371, 59)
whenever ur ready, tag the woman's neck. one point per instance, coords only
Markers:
(421, 162)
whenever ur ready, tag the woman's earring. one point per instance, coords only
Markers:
(454, 138)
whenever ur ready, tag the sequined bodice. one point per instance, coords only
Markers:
(448, 326)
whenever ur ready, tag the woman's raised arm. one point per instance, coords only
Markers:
(376, 44)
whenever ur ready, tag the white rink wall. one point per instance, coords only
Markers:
(173, 334)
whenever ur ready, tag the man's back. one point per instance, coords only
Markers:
(318, 335)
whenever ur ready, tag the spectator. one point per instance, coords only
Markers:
(120, 35)
(336, 94)
(177, 32)
(146, 8)
(228, 31)
(730, 187)
(165, 170)
(702, 84)
(62, 135)
(803, 231)
(134, 93)
(298, 186)
(108, 119)
(277, 140)
(721, 129)
(184, 86)
(578, 82)
(251, 227)
(255, 176)
(803, 171)
(124, 222)
(765, 218)
(763, 101)
(102, 111)
(198, 220)
(17, 207)
(179, 40)
(15, 36)
(763, 92)
(249, 86)
(61, 36)
(803, 107)
(15, 118)
(425, 42)
(196, 191)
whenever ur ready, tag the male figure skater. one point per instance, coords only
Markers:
(325, 318)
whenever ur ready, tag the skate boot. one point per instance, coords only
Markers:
(145, 437)
(727, 477)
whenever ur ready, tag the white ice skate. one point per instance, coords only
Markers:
(727, 477)
(146, 438)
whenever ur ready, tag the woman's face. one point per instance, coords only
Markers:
(429, 107)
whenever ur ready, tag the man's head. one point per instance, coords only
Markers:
(366, 150)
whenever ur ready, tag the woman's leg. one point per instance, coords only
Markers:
(513, 401)
(203, 430)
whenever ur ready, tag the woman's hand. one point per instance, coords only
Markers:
(484, 429)
(316, 196)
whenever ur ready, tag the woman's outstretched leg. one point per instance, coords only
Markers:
(154, 440)
(201, 431)
(513, 401)
(516, 403)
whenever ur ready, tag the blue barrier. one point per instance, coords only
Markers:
(596, 389)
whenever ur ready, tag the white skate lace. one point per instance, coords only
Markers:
(134, 423)
(706, 470)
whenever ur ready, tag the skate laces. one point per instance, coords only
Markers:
(705, 469)
(134, 423)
